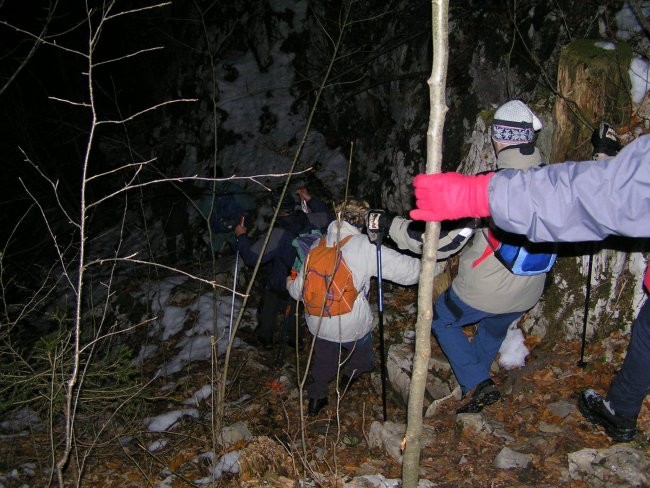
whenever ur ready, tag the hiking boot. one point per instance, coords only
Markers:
(482, 395)
(316, 405)
(598, 411)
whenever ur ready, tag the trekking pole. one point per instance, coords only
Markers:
(375, 234)
(582, 362)
(234, 286)
(606, 144)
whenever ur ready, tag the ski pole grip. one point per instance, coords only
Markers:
(377, 224)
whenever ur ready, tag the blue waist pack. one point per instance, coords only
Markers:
(522, 257)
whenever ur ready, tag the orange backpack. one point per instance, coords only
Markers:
(328, 288)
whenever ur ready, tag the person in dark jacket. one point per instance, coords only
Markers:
(223, 204)
(279, 255)
(567, 202)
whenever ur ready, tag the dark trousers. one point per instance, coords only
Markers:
(632, 383)
(354, 359)
(274, 303)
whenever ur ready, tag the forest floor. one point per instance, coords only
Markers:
(333, 446)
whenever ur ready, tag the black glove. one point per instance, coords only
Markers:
(605, 140)
(377, 225)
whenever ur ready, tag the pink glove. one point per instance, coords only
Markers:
(646, 279)
(450, 196)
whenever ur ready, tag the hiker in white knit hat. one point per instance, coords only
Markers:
(485, 292)
(515, 124)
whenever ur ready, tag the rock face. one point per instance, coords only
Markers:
(441, 383)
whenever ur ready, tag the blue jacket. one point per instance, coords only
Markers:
(280, 254)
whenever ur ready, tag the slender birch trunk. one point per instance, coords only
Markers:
(437, 82)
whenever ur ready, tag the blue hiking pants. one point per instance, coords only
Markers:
(470, 360)
(632, 383)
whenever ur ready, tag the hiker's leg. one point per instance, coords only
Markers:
(450, 315)
(324, 366)
(632, 383)
(361, 357)
(271, 305)
(491, 332)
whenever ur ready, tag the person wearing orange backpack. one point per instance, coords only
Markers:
(342, 335)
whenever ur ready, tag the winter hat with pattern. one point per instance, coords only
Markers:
(515, 123)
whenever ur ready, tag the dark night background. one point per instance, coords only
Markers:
(375, 98)
(252, 69)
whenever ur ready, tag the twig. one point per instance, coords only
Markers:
(149, 109)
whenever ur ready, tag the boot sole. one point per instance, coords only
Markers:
(477, 404)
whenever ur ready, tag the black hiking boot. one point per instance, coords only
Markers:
(483, 394)
(598, 411)
(316, 405)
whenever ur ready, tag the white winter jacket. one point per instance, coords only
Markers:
(361, 257)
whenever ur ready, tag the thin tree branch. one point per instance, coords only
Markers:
(37, 42)
(141, 9)
(149, 109)
(126, 56)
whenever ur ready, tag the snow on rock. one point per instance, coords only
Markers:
(166, 421)
(20, 419)
(513, 351)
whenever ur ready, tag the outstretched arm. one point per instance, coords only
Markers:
(577, 201)
(564, 202)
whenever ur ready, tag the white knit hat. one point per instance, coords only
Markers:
(515, 123)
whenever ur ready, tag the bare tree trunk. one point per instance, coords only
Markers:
(437, 82)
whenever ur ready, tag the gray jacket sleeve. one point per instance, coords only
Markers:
(450, 242)
(577, 201)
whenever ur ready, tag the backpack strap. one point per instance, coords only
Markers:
(338, 244)
(343, 241)
(492, 246)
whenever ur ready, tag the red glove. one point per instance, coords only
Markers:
(450, 196)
